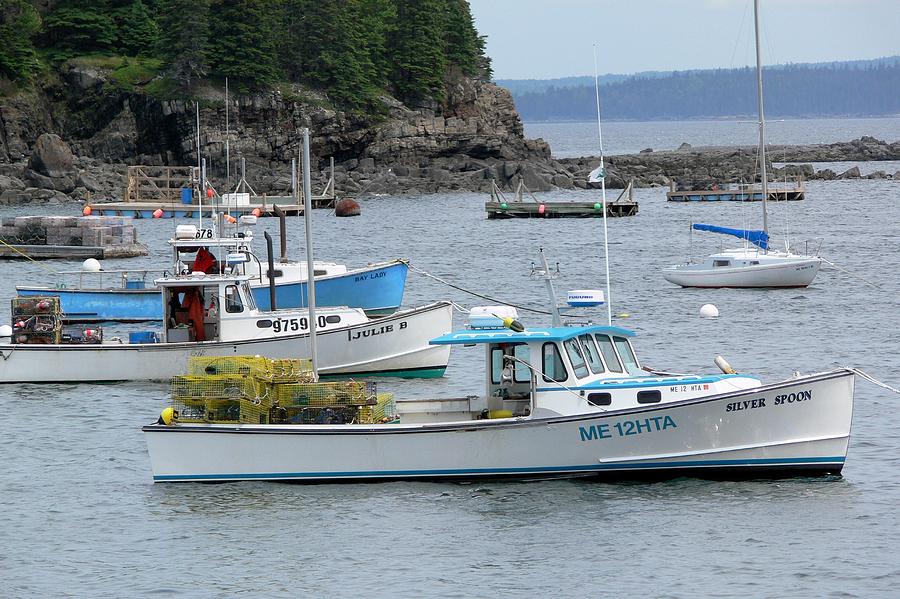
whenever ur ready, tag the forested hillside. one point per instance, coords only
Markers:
(350, 50)
(833, 89)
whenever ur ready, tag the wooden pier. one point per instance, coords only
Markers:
(790, 192)
(500, 207)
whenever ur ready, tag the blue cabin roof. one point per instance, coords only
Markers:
(470, 336)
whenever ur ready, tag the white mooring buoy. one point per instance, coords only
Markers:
(709, 311)
(5, 330)
(91, 265)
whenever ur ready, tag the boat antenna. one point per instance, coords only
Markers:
(548, 280)
(762, 122)
(602, 176)
(227, 136)
(310, 271)
(200, 182)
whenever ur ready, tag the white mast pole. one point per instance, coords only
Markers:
(200, 182)
(227, 139)
(603, 190)
(310, 271)
(762, 122)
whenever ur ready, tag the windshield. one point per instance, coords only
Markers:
(609, 353)
(590, 353)
(627, 355)
(575, 357)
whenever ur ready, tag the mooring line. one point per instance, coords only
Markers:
(18, 251)
(470, 292)
(872, 379)
(845, 271)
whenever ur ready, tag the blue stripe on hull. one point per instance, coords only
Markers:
(587, 469)
(377, 291)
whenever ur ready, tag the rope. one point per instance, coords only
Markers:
(845, 271)
(23, 254)
(546, 378)
(872, 379)
(470, 292)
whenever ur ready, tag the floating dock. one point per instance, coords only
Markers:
(500, 207)
(740, 193)
(69, 252)
(179, 210)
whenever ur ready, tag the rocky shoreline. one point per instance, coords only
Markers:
(72, 141)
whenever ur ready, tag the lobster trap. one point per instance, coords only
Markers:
(265, 369)
(36, 319)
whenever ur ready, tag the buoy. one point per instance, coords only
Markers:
(91, 265)
(158, 213)
(5, 330)
(168, 416)
(598, 206)
(346, 207)
(542, 208)
(623, 315)
(513, 325)
(504, 206)
(87, 210)
(20, 324)
(209, 192)
(723, 365)
(709, 311)
(256, 212)
(230, 219)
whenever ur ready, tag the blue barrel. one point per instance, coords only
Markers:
(143, 337)
(137, 284)
(187, 195)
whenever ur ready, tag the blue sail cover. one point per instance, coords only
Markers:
(758, 238)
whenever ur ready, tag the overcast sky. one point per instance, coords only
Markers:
(543, 39)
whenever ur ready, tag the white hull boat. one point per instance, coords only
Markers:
(747, 268)
(227, 324)
(558, 402)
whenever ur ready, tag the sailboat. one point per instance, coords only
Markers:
(755, 264)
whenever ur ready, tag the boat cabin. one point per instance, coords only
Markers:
(551, 371)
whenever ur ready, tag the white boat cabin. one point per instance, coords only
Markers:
(544, 372)
(201, 307)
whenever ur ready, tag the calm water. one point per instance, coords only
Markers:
(81, 517)
(580, 139)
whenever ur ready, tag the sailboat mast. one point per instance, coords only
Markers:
(310, 268)
(762, 121)
(603, 189)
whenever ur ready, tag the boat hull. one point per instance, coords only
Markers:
(395, 345)
(798, 273)
(798, 426)
(377, 289)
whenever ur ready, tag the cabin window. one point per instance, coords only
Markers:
(649, 396)
(609, 353)
(754, 262)
(332, 319)
(233, 304)
(575, 357)
(721, 262)
(318, 272)
(522, 374)
(627, 355)
(591, 355)
(600, 399)
(552, 364)
(496, 365)
(249, 301)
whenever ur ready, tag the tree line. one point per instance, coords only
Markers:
(790, 90)
(353, 50)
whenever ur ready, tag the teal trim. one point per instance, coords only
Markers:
(542, 334)
(638, 383)
(489, 471)
(412, 373)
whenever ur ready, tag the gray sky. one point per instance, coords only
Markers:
(543, 39)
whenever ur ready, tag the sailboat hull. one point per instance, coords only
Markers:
(780, 274)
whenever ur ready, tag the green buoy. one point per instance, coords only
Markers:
(504, 206)
(598, 206)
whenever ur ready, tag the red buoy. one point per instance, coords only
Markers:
(158, 213)
(209, 192)
(542, 209)
(87, 211)
(346, 207)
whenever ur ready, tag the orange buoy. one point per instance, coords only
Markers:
(256, 212)
(87, 210)
(346, 207)
(230, 219)
(158, 213)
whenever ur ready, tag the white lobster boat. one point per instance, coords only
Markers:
(226, 322)
(557, 402)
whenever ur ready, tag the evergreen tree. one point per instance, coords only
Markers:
(80, 27)
(461, 41)
(182, 40)
(242, 42)
(378, 19)
(137, 30)
(417, 49)
(19, 22)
